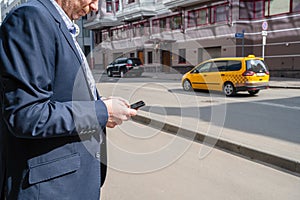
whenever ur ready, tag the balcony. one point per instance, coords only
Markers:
(138, 10)
(102, 19)
(102, 22)
(175, 4)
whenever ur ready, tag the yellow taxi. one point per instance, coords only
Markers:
(229, 75)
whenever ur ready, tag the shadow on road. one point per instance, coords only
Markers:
(258, 117)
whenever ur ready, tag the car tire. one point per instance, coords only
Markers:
(122, 73)
(229, 89)
(187, 86)
(253, 92)
(109, 73)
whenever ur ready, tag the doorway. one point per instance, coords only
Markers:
(166, 60)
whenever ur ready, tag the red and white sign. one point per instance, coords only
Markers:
(264, 26)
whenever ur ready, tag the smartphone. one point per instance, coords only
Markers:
(137, 105)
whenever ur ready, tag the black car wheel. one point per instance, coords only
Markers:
(122, 73)
(109, 73)
(187, 86)
(229, 89)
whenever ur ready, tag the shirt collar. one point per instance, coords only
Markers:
(66, 19)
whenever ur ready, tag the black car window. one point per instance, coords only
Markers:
(121, 60)
(135, 61)
(234, 65)
(218, 66)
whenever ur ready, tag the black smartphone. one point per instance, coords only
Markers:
(137, 105)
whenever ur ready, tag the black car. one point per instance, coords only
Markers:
(128, 66)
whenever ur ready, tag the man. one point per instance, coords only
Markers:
(52, 121)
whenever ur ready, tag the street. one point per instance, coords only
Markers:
(156, 166)
(268, 121)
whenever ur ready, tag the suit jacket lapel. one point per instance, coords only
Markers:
(65, 32)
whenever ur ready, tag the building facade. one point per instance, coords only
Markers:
(178, 34)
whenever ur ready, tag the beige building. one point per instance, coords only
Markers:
(178, 34)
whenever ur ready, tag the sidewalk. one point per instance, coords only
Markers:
(133, 175)
(281, 82)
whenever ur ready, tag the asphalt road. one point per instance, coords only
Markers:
(268, 121)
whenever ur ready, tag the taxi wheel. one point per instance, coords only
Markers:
(253, 92)
(229, 89)
(187, 85)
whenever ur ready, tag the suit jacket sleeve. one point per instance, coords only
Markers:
(33, 103)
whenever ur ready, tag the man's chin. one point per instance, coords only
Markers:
(75, 17)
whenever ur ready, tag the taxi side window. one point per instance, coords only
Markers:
(234, 65)
(205, 67)
(219, 66)
(202, 68)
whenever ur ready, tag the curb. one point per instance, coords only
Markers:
(280, 163)
(284, 87)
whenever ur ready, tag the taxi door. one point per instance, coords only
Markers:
(213, 77)
(197, 76)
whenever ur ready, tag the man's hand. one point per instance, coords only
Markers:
(118, 111)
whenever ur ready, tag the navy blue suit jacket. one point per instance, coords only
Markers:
(51, 129)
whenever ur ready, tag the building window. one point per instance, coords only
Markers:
(192, 18)
(219, 14)
(163, 24)
(131, 1)
(182, 56)
(150, 57)
(146, 28)
(201, 18)
(99, 37)
(109, 6)
(197, 17)
(251, 9)
(176, 22)
(155, 26)
(86, 32)
(296, 6)
(204, 16)
(257, 9)
(117, 5)
(276, 7)
(134, 29)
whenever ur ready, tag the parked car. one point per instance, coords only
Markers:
(122, 66)
(229, 75)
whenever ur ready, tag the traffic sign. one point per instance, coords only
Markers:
(264, 33)
(264, 26)
(239, 35)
